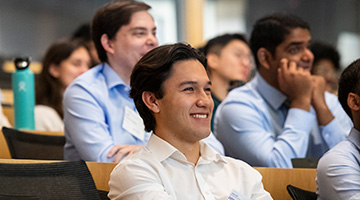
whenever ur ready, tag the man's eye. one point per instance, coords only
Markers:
(189, 89)
(140, 33)
(294, 50)
(76, 63)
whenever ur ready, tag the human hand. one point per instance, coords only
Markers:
(295, 83)
(323, 113)
(121, 151)
(318, 91)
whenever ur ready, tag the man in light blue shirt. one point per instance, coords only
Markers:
(101, 121)
(99, 115)
(338, 171)
(284, 112)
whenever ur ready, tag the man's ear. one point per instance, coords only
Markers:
(107, 43)
(212, 61)
(54, 70)
(353, 101)
(264, 57)
(150, 101)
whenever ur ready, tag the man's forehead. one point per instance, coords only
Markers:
(188, 71)
(137, 17)
(298, 35)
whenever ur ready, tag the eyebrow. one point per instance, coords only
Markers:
(295, 44)
(141, 29)
(192, 83)
(138, 29)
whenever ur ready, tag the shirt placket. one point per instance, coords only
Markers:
(203, 186)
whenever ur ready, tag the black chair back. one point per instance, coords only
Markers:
(300, 194)
(23, 145)
(55, 180)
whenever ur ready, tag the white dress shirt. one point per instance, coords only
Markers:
(160, 171)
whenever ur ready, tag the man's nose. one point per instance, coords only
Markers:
(152, 40)
(308, 55)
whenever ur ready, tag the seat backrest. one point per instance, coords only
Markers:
(55, 180)
(4, 149)
(300, 194)
(101, 173)
(8, 111)
(25, 145)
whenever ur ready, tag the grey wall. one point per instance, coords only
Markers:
(28, 27)
(327, 18)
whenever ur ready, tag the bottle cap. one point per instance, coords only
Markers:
(22, 63)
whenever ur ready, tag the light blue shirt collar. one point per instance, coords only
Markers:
(273, 96)
(354, 137)
(112, 78)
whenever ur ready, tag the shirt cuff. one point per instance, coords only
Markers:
(300, 119)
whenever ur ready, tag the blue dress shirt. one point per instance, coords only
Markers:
(94, 108)
(338, 171)
(254, 125)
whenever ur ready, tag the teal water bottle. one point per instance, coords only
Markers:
(24, 94)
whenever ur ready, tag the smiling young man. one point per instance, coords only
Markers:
(171, 91)
(284, 112)
(101, 122)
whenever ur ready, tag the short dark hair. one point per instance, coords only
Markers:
(82, 32)
(110, 18)
(153, 69)
(349, 82)
(270, 31)
(325, 51)
(216, 44)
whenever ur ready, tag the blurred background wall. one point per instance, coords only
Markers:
(28, 27)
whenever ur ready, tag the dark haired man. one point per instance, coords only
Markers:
(171, 91)
(338, 171)
(229, 62)
(284, 112)
(101, 122)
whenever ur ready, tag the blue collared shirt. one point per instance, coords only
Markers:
(338, 171)
(94, 108)
(253, 126)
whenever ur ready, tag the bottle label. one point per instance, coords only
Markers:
(22, 86)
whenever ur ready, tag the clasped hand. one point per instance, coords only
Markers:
(302, 88)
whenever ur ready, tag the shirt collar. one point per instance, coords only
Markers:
(273, 96)
(163, 150)
(354, 137)
(208, 154)
(160, 148)
(112, 78)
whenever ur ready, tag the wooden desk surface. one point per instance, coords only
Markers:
(275, 180)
